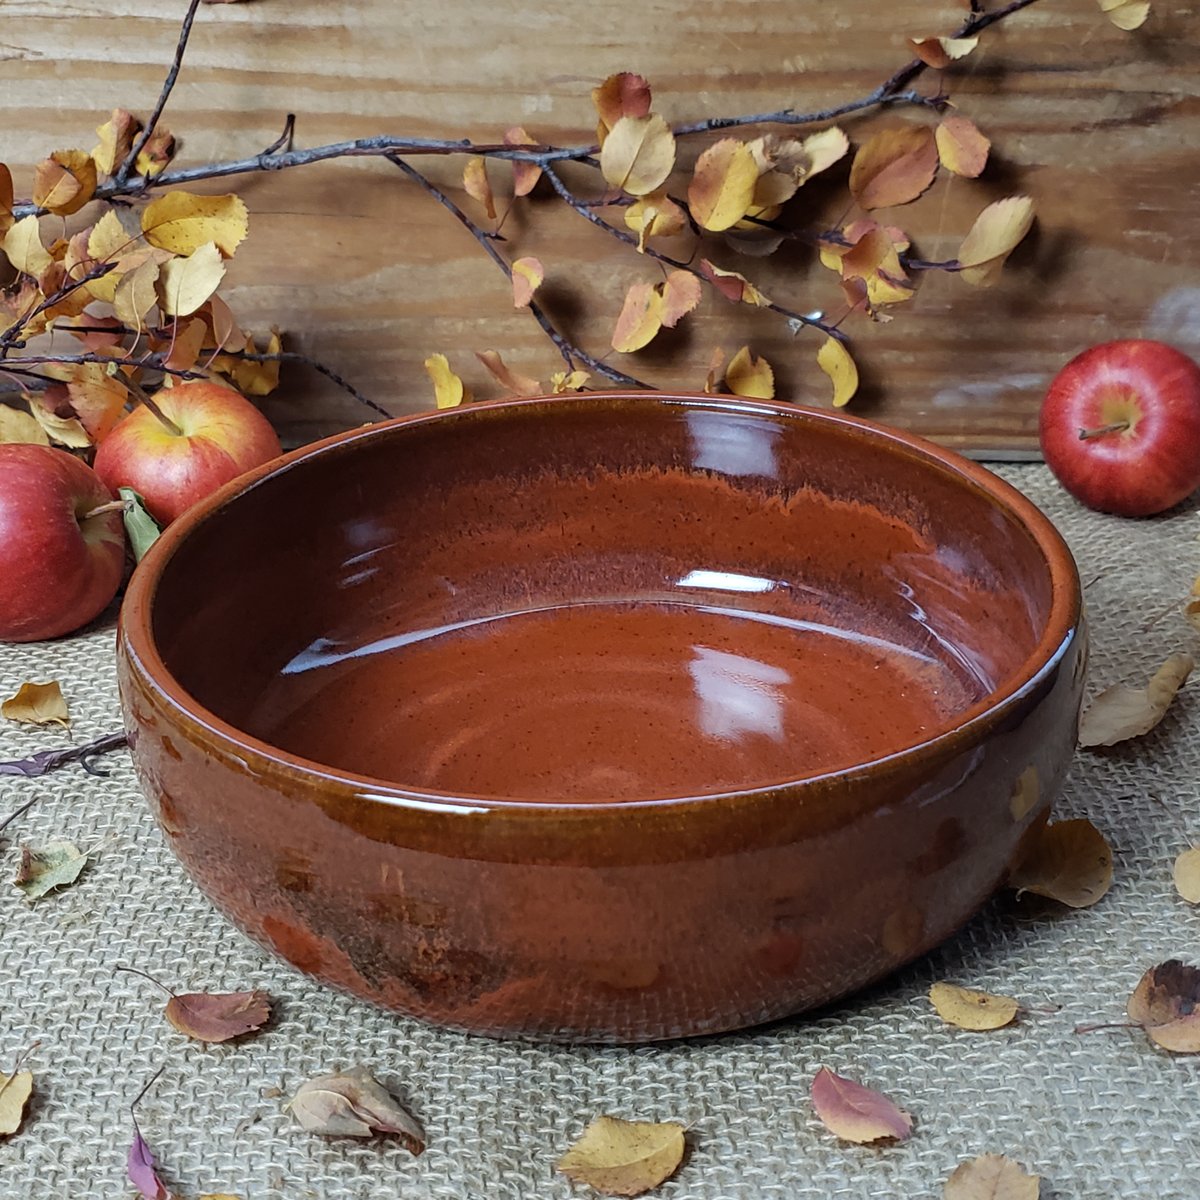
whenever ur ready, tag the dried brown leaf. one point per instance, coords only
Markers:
(894, 166)
(182, 222)
(624, 1158)
(527, 276)
(37, 704)
(855, 1113)
(991, 1177)
(967, 1008)
(117, 136)
(54, 865)
(834, 359)
(940, 52)
(1166, 1004)
(638, 154)
(1126, 14)
(1122, 712)
(64, 182)
(722, 187)
(640, 318)
(1068, 861)
(219, 1017)
(681, 292)
(748, 375)
(355, 1104)
(961, 147)
(994, 236)
(15, 1090)
(519, 385)
(525, 174)
(1187, 875)
(732, 284)
(478, 186)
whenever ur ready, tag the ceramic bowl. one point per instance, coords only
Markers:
(604, 717)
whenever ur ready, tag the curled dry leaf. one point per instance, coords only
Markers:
(749, 375)
(655, 215)
(894, 166)
(1187, 875)
(354, 1104)
(940, 52)
(140, 1166)
(154, 157)
(184, 284)
(219, 1017)
(55, 865)
(1068, 861)
(638, 154)
(723, 185)
(519, 385)
(64, 182)
(15, 1090)
(568, 381)
(182, 222)
(681, 292)
(624, 1158)
(1126, 14)
(967, 1008)
(527, 276)
(994, 236)
(1166, 1004)
(732, 285)
(1124, 712)
(961, 147)
(834, 359)
(478, 186)
(448, 389)
(525, 174)
(37, 704)
(640, 318)
(991, 1177)
(856, 1113)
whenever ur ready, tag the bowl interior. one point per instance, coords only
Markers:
(604, 598)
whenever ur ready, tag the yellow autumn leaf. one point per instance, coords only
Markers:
(259, 378)
(136, 294)
(6, 199)
(995, 234)
(527, 276)
(24, 249)
(638, 154)
(108, 239)
(182, 222)
(37, 704)
(722, 186)
(834, 359)
(748, 375)
(640, 318)
(894, 166)
(157, 153)
(961, 147)
(624, 1158)
(1125, 14)
(1068, 861)
(448, 389)
(15, 1090)
(64, 182)
(654, 215)
(970, 1009)
(1186, 873)
(17, 426)
(184, 284)
(824, 149)
(940, 52)
(569, 381)
(512, 381)
(477, 185)
(63, 431)
(117, 136)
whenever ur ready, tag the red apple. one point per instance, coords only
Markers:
(1120, 427)
(217, 435)
(59, 567)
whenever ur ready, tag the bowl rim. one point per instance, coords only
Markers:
(137, 646)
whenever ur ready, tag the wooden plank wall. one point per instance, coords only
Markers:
(362, 271)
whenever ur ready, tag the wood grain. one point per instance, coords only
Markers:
(369, 275)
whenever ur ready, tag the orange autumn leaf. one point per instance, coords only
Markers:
(185, 346)
(681, 292)
(993, 237)
(519, 385)
(748, 375)
(448, 388)
(1166, 1004)
(64, 182)
(940, 52)
(856, 1113)
(961, 147)
(97, 398)
(622, 95)
(732, 285)
(834, 359)
(894, 167)
(640, 318)
(722, 186)
(527, 276)
(154, 157)
(871, 252)
(477, 185)
(525, 174)
(638, 154)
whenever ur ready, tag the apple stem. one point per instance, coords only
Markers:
(1102, 430)
(143, 397)
(100, 509)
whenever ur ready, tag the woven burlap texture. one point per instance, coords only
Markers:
(1099, 1115)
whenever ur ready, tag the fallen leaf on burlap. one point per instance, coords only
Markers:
(749, 375)
(354, 1104)
(996, 233)
(1166, 1004)
(448, 389)
(37, 704)
(117, 136)
(17, 426)
(1068, 861)
(834, 359)
(64, 182)
(1126, 14)
(182, 222)
(638, 154)
(15, 1090)
(54, 865)
(140, 1167)
(961, 147)
(624, 1158)
(140, 526)
(477, 185)
(219, 1017)
(512, 381)
(1187, 875)
(527, 276)
(940, 52)
(894, 166)
(1191, 610)
(1124, 712)
(967, 1008)
(856, 1113)
(991, 1177)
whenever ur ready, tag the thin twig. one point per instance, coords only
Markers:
(11, 338)
(20, 812)
(292, 356)
(135, 971)
(46, 761)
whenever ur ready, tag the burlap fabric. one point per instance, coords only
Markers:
(1099, 1115)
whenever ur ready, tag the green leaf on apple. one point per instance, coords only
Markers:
(141, 527)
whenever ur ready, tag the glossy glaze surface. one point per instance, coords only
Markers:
(605, 717)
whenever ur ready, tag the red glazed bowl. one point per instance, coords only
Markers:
(604, 717)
